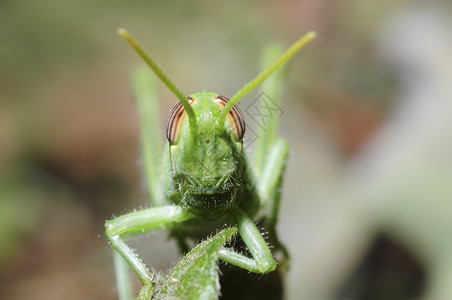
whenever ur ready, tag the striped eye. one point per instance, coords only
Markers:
(235, 116)
(175, 118)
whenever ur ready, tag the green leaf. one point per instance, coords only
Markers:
(196, 274)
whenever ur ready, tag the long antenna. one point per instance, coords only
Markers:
(267, 72)
(163, 77)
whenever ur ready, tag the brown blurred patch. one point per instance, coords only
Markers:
(347, 118)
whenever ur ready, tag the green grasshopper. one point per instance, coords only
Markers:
(206, 180)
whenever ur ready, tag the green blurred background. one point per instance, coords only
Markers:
(367, 202)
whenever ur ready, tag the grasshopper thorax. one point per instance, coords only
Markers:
(207, 160)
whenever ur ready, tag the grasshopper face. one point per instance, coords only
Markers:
(207, 160)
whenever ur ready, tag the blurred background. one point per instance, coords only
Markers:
(367, 201)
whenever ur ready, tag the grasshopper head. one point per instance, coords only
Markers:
(205, 135)
(207, 160)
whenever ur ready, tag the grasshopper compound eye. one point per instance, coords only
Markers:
(235, 117)
(174, 122)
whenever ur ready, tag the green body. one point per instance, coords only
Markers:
(208, 167)
(203, 181)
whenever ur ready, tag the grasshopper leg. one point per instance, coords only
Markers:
(270, 179)
(139, 223)
(262, 261)
(269, 189)
(123, 280)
